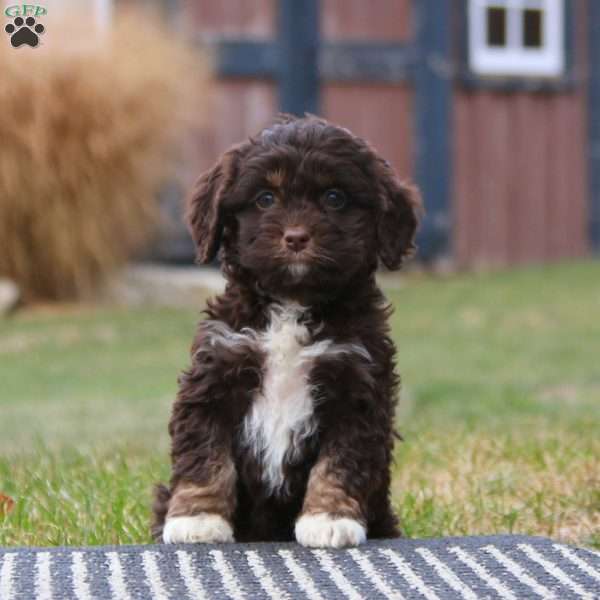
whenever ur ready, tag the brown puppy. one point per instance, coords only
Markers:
(283, 425)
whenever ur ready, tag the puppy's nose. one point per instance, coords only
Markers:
(296, 238)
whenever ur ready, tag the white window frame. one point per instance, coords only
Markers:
(514, 59)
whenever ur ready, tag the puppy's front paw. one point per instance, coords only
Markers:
(203, 528)
(323, 531)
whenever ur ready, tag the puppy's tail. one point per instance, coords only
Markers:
(160, 506)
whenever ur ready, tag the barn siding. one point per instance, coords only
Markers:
(519, 162)
(357, 20)
(243, 106)
(381, 113)
(520, 173)
(593, 93)
(231, 17)
(519, 178)
(237, 107)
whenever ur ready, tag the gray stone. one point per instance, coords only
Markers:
(161, 285)
(9, 296)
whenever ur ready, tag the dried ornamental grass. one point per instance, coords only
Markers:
(87, 134)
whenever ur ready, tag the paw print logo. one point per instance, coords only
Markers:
(24, 32)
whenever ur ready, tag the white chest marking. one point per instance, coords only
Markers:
(282, 416)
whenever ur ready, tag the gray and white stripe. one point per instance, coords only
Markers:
(409, 574)
(370, 572)
(519, 573)
(116, 578)
(262, 574)
(302, 578)
(6, 575)
(446, 573)
(508, 568)
(225, 570)
(326, 561)
(192, 582)
(555, 571)
(579, 562)
(43, 577)
(153, 577)
(483, 573)
(80, 577)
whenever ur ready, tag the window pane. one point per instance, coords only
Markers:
(496, 26)
(532, 28)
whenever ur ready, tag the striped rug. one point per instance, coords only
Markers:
(469, 568)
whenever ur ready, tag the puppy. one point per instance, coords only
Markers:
(283, 425)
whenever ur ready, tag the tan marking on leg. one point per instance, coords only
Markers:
(325, 494)
(217, 497)
(330, 517)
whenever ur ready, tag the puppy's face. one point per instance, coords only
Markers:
(303, 217)
(304, 205)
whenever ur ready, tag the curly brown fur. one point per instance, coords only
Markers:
(301, 326)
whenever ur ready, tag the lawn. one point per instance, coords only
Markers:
(500, 410)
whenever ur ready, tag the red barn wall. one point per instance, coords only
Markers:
(381, 113)
(237, 107)
(520, 172)
(519, 160)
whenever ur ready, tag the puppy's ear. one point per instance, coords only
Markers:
(399, 215)
(205, 211)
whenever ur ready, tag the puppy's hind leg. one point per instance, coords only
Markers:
(162, 496)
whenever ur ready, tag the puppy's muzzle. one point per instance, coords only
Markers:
(296, 239)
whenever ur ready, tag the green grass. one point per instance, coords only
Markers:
(500, 410)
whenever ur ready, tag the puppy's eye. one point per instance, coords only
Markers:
(265, 200)
(335, 199)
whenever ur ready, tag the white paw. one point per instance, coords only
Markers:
(203, 528)
(323, 531)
